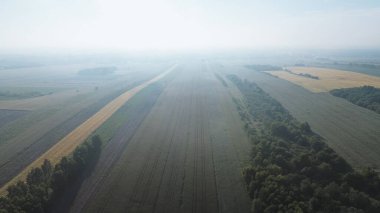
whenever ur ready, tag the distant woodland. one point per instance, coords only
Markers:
(16, 95)
(10, 93)
(292, 169)
(98, 71)
(366, 96)
(260, 67)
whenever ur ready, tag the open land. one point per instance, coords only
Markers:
(186, 156)
(47, 119)
(179, 144)
(67, 144)
(329, 79)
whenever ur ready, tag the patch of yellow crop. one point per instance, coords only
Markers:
(329, 79)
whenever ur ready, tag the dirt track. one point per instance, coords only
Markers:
(66, 145)
(185, 157)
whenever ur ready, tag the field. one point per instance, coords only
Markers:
(173, 141)
(365, 68)
(7, 116)
(49, 118)
(185, 156)
(67, 144)
(350, 130)
(328, 78)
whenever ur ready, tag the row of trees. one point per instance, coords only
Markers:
(366, 96)
(44, 185)
(292, 169)
(263, 67)
(306, 75)
(98, 71)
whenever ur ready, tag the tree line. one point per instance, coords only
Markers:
(45, 184)
(366, 96)
(263, 67)
(292, 169)
(98, 71)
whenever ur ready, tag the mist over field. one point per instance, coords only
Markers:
(189, 106)
(192, 24)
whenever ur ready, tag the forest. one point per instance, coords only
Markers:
(45, 185)
(292, 169)
(366, 96)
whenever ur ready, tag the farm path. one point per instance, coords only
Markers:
(185, 157)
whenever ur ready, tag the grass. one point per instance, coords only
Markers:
(329, 79)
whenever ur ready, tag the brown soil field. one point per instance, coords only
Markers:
(352, 131)
(66, 145)
(328, 78)
(186, 156)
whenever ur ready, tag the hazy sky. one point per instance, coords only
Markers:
(189, 24)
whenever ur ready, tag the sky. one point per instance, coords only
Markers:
(189, 24)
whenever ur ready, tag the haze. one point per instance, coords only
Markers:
(191, 24)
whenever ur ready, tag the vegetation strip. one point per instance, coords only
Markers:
(292, 169)
(67, 144)
(45, 185)
(263, 67)
(366, 96)
(306, 75)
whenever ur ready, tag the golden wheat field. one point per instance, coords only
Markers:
(329, 79)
